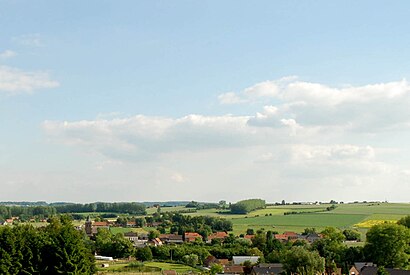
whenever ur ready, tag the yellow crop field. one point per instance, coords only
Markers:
(370, 223)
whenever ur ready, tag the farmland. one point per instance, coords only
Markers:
(343, 216)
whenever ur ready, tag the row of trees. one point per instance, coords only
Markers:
(246, 206)
(26, 212)
(55, 249)
(115, 207)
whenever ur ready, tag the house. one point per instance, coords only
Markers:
(249, 237)
(312, 237)
(281, 237)
(372, 270)
(217, 236)
(210, 260)
(238, 260)
(353, 271)
(360, 265)
(191, 236)
(171, 238)
(143, 236)
(267, 269)
(223, 262)
(291, 235)
(233, 269)
(169, 272)
(155, 242)
(91, 228)
(131, 224)
(132, 236)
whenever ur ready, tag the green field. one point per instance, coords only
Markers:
(344, 216)
(149, 267)
(123, 230)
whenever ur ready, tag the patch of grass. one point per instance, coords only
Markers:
(171, 266)
(123, 230)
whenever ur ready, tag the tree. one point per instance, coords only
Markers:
(309, 230)
(143, 254)
(191, 259)
(301, 261)
(386, 245)
(405, 221)
(153, 234)
(64, 251)
(216, 268)
(331, 247)
(250, 231)
(351, 235)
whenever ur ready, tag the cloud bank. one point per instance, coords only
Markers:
(306, 137)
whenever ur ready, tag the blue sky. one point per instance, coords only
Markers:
(203, 100)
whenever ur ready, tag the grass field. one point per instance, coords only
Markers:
(150, 267)
(344, 216)
(123, 230)
(152, 210)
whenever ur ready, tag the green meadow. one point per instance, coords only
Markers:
(344, 216)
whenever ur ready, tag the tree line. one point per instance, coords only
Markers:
(25, 212)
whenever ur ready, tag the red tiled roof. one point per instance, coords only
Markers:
(290, 234)
(249, 236)
(192, 236)
(100, 223)
(218, 235)
(281, 237)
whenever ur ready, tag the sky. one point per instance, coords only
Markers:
(204, 100)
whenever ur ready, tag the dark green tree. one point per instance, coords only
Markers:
(298, 260)
(143, 254)
(405, 221)
(387, 244)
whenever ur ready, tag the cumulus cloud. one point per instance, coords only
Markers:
(14, 81)
(308, 136)
(367, 108)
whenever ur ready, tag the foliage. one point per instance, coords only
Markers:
(301, 261)
(216, 268)
(115, 246)
(330, 247)
(191, 259)
(351, 235)
(115, 207)
(143, 254)
(405, 221)
(387, 244)
(246, 206)
(56, 249)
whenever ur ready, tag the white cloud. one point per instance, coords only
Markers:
(7, 54)
(310, 137)
(230, 98)
(14, 81)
